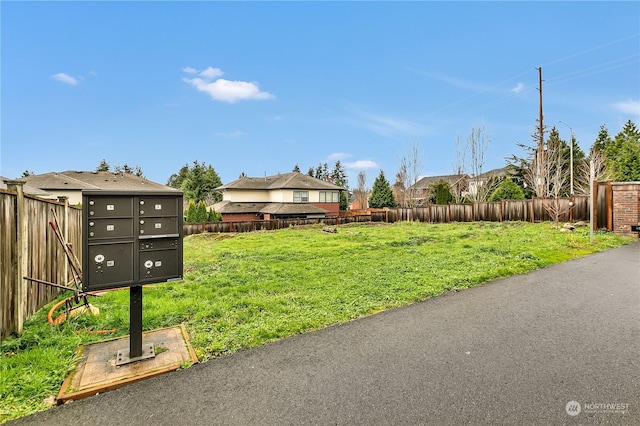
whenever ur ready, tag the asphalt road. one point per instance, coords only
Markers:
(515, 351)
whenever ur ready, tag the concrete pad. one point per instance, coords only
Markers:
(96, 370)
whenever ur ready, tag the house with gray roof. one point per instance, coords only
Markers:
(420, 191)
(28, 189)
(282, 196)
(71, 183)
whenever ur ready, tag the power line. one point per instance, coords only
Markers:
(602, 46)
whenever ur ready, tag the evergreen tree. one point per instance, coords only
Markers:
(296, 168)
(381, 194)
(201, 212)
(198, 182)
(507, 190)
(623, 154)
(213, 216)
(441, 192)
(191, 212)
(603, 140)
(103, 166)
(339, 177)
(125, 168)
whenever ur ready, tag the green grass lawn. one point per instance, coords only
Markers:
(244, 290)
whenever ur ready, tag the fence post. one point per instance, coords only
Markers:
(20, 260)
(595, 189)
(533, 209)
(609, 202)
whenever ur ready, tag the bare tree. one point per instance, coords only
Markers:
(551, 177)
(399, 190)
(582, 177)
(471, 161)
(361, 193)
(409, 171)
(458, 191)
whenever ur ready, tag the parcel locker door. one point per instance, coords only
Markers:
(110, 266)
(159, 265)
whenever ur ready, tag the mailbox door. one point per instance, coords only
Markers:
(151, 226)
(114, 206)
(109, 266)
(158, 206)
(110, 228)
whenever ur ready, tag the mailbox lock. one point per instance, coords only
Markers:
(91, 202)
(142, 222)
(99, 258)
(91, 223)
(148, 264)
(142, 202)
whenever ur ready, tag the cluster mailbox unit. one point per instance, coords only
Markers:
(129, 239)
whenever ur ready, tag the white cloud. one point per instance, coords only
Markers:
(211, 73)
(519, 88)
(628, 107)
(222, 89)
(362, 164)
(65, 78)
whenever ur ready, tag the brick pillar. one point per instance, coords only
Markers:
(626, 207)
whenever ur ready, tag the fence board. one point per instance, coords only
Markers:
(45, 258)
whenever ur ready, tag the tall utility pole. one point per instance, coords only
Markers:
(541, 141)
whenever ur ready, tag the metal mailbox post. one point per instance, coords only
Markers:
(131, 238)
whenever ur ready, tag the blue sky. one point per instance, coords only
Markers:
(260, 87)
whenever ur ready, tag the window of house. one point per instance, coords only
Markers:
(300, 196)
(329, 197)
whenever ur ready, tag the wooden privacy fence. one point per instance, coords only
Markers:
(531, 210)
(30, 248)
(271, 225)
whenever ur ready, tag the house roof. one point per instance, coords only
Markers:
(28, 189)
(426, 181)
(229, 207)
(293, 180)
(292, 208)
(507, 170)
(79, 180)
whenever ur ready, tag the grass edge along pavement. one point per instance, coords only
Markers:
(244, 290)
